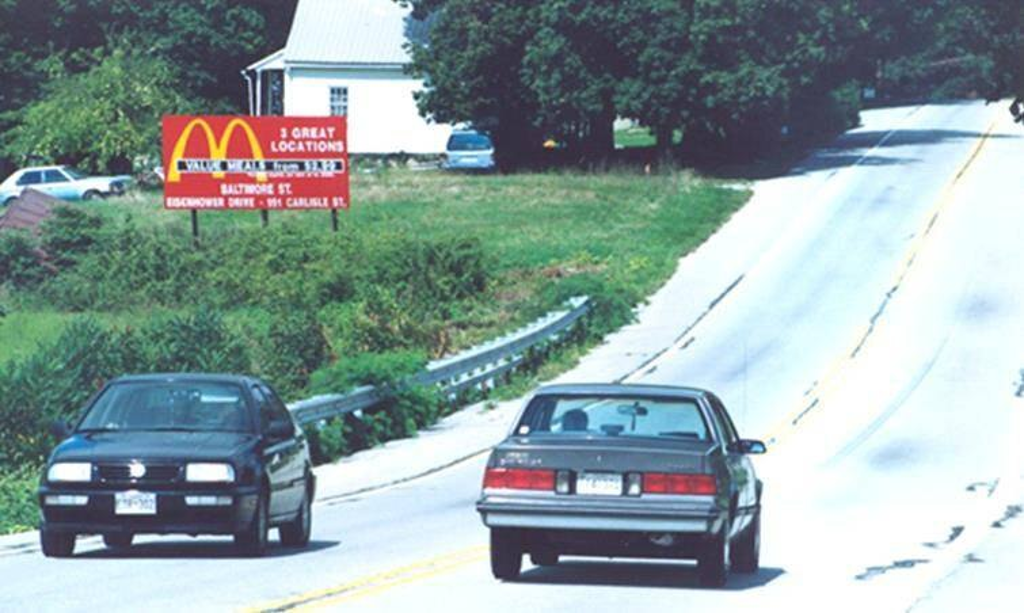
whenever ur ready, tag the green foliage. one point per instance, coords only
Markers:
(612, 302)
(946, 48)
(382, 369)
(102, 117)
(287, 346)
(733, 75)
(113, 65)
(132, 267)
(473, 65)
(19, 510)
(54, 383)
(402, 411)
(20, 261)
(69, 234)
(199, 342)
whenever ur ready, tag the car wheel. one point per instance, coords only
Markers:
(118, 541)
(713, 563)
(544, 558)
(746, 551)
(296, 532)
(91, 195)
(57, 544)
(252, 542)
(506, 554)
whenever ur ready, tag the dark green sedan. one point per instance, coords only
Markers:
(633, 471)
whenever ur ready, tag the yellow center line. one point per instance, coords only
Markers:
(379, 582)
(826, 384)
(829, 382)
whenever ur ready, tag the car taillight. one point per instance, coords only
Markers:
(519, 479)
(672, 483)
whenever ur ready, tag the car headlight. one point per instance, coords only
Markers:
(207, 472)
(70, 471)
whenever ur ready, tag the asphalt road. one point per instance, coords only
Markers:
(876, 344)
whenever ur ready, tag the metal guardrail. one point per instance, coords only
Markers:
(475, 367)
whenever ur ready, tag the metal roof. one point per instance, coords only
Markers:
(361, 32)
(29, 211)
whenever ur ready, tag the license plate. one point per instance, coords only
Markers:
(134, 503)
(599, 484)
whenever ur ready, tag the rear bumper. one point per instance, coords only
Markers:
(682, 514)
(173, 516)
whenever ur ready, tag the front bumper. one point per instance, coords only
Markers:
(173, 515)
(675, 514)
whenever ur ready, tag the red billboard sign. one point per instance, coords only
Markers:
(249, 163)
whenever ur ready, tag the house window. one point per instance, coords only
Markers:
(339, 101)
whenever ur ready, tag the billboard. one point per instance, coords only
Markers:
(255, 163)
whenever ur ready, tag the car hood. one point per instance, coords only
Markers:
(100, 446)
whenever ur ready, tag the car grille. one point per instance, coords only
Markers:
(155, 473)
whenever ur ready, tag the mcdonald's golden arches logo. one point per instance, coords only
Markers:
(218, 148)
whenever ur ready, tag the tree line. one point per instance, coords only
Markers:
(85, 81)
(733, 77)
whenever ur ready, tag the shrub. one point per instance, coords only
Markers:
(199, 342)
(611, 305)
(18, 508)
(55, 383)
(132, 267)
(286, 346)
(20, 263)
(382, 369)
(69, 234)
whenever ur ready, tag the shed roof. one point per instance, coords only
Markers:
(352, 32)
(29, 211)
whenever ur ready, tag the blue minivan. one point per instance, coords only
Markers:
(468, 150)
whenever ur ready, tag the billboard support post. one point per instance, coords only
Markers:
(264, 218)
(195, 226)
(334, 220)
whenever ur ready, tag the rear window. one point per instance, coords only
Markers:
(618, 416)
(469, 142)
(184, 405)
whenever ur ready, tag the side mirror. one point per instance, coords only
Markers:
(280, 430)
(60, 429)
(748, 447)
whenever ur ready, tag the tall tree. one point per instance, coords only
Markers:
(473, 70)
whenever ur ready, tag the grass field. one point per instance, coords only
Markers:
(536, 227)
(538, 230)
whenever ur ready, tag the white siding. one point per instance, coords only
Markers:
(382, 114)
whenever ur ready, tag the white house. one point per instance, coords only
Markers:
(347, 57)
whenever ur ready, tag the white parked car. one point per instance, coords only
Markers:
(62, 182)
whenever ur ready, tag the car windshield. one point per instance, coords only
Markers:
(74, 173)
(619, 416)
(469, 142)
(186, 405)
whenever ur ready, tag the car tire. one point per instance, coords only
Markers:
(296, 532)
(544, 558)
(92, 195)
(506, 554)
(252, 542)
(746, 551)
(713, 563)
(118, 541)
(57, 544)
